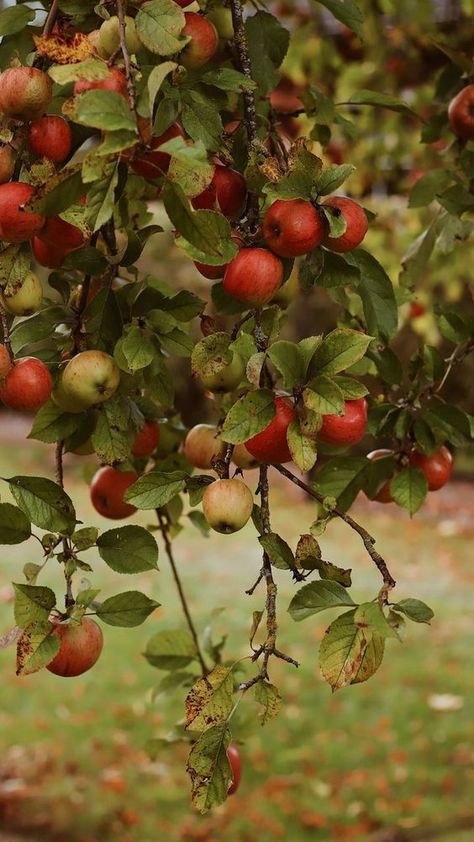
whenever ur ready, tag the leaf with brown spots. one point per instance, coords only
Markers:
(268, 696)
(349, 654)
(36, 647)
(209, 701)
(63, 48)
(209, 768)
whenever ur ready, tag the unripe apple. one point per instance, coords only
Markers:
(25, 92)
(116, 82)
(5, 362)
(271, 445)
(227, 193)
(91, 377)
(108, 487)
(27, 386)
(461, 113)
(67, 402)
(152, 164)
(26, 298)
(203, 44)
(80, 647)
(227, 379)
(109, 36)
(437, 467)
(17, 225)
(356, 222)
(293, 227)
(221, 17)
(384, 495)
(201, 445)
(170, 441)
(227, 505)
(46, 255)
(253, 276)
(289, 290)
(7, 164)
(146, 441)
(235, 759)
(50, 137)
(348, 428)
(243, 459)
(62, 235)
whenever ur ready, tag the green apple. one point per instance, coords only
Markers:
(65, 401)
(90, 378)
(227, 379)
(227, 505)
(109, 36)
(170, 439)
(25, 299)
(243, 459)
(221, 17)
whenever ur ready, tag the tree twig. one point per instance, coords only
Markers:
(126, 58)
(51, 18)
(6, 332)
(69, 599)
(184, 603)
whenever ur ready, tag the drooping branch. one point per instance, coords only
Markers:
(126, 57)
(164, 529)
(367, 539)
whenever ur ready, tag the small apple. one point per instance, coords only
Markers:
(356, 221)
(226, 193)
(417, 309)
(201, 445)
(227, 505)
(80, 647)
(384, 495)
(46, 255)
(243, 459)
(227, 379)
(7, 164)
(24, 299)
(50, 137)
(109, 36)
(108, 487)
(235, 759)
(461, 113)
(116, 82)
(203, 44)
(146, 441)
(62, 235)
(271, 445)
(152, 164)
(171, 438)
(253, 276)
(27, 386)
(16, 224)
(5, 362)
(91, 377)
(348, 428)
(292, 228)
(25, 92)
(437, 468)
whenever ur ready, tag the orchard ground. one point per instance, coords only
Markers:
(399, 749)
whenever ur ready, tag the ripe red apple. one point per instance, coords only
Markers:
(356, 222)
(80, 647)
(235, 759)
(90, 378)
(50, 137)
(461, 113)
(243, 459)
(348, 428)
(384, 495)
(24, 299)
(227, 379)
(227, 505)
(116, 81)
(5, 362)
(417, 309)
(253, 276)
(226, 193)
(152, 164)
(293, 227)
(27, 386)
(17, 225)
(46, 255)
(437, 468)
(108, 487)
(146, 441)
(25, 92)
(203, 44)
(7, 164)
(62, 235)
(271, 445)
(201, 446)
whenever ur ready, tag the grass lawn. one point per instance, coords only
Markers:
(73, 763)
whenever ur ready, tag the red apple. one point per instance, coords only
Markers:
(384, 495)
(108, 487)
(50, 137)
(214, 273)
(115, 81)
(62, 235)
(226, 193)
(152, 164)
(253, 276)
(203, 44)
(235, 759)
(227, 505)
(348, 428)
(356, 222)
(5, 362)
(7, 164)
(293, 227)
(17, 225)
(461, 113)
(27, 386)
(417, 309)
(46, 255)
(271, 445)
(25, 92)
(146, 441)
(437, 468)
(80, 647)
(201, 445)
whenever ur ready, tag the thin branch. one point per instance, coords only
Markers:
(164, 529)
(51, 18)
(68, 599)
(126, 58)
(459, 354)
(6, 332)
(367, 538)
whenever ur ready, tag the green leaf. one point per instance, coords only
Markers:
(351, 389)
(332, 177)
(209, 702)
(208, 231)
(128, 549)
(156, 79)
(377, 294)
(303, 449)
(101, 197)
(349, 654)
(137, 348)
(127, 609)
(211, 354)
(268, 43)
(104, 110)
(268, 696)
(457, 200)
(415, 610)
(32, 603)
(249, 416)
(59, 192)
(52, 424)
(92, 70)
(159, 24)
(311, 268)
(323, 395)
(111, 438)
(85, 538)
(156, 489)
(278, 551)
(428, 187)
(370, 615)
(337, 272)
(15, 18)
(45, 503)
(289, 360)
(347, 12)
(450, 421)
(209, 768)
(393, 103)
(409, 489)
(15, 526)
(36, 648)
(308, 553)
(317, 596)
(340, 349)
(201, 120)
(342, 478)
(171, 649)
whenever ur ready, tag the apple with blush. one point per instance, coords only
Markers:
(107, 491)
(271, 444)
(27, 386)
(227, 505)
(81, 644)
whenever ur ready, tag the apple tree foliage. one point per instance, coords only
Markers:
(144, 323)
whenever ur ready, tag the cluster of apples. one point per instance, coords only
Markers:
(461, 113)
(437, 468)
